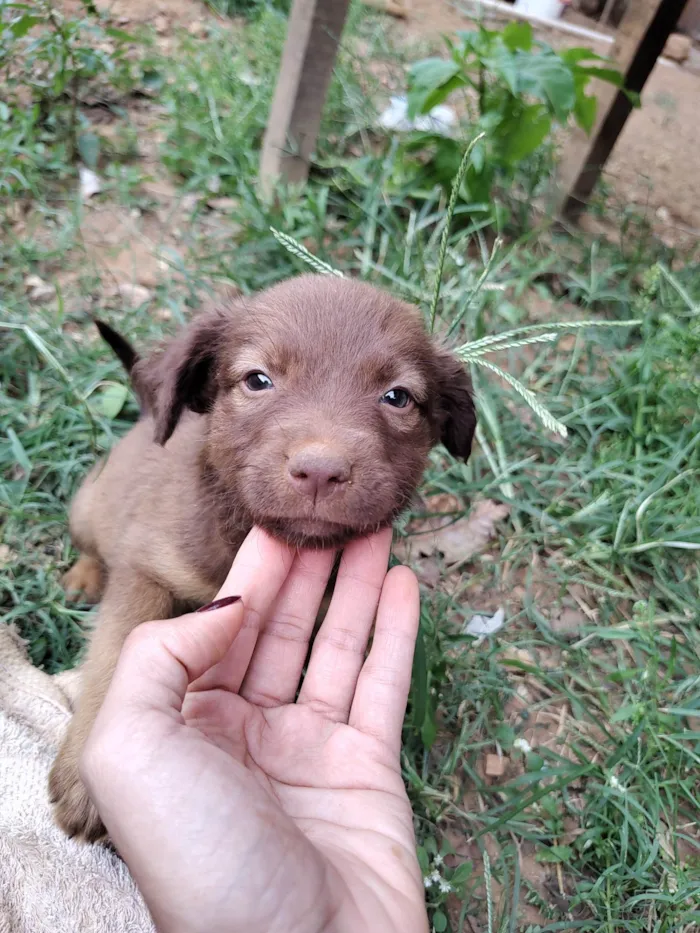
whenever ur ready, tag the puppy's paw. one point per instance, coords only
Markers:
(85, 580)
(73, 810)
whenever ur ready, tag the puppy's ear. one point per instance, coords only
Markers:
(455, 414)
(183, 374)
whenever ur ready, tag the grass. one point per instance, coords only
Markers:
(593, 825)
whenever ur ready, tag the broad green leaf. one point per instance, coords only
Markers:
(462, 873)
(423, 860)
(439, 922)
(424, 78)
(580, 54)
(548, 78)
(122, 36)
(89, 149)
(527, 134)
(503, 63)
(109, 400)
(428, 733)
(518, 35)
(585, 111)
(21, 26)
(555, 854)
(628, 711)
(442, 93)
(610, 75)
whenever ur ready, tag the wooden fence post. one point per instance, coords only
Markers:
(309, 53)
(641, 37)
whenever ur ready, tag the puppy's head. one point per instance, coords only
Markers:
(324, 396)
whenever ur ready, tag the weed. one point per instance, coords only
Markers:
(49, 60)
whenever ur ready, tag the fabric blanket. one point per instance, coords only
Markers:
(48, 883)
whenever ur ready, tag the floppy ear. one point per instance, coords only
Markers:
(455, 414)
(183, 374)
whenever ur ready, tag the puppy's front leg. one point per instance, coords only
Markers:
(129, 599)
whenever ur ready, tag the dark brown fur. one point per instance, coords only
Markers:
(160, 521)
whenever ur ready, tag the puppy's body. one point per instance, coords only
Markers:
(144, 509)
(308, 410)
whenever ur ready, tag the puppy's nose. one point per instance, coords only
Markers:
(318, 471)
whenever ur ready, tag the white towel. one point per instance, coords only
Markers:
(49, 883)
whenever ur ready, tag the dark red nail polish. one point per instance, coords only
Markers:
(220, 603)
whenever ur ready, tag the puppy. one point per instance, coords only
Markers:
(308, 409)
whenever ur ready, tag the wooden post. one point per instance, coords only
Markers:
(641, 37)
(309, 53)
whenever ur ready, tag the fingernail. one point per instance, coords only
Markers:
(220, 603)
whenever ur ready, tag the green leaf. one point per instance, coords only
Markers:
(428, 733)
(423, 860)
(109, 401)
(585, 111)
(89, 149)
(122, 36)
(580, 54)
(20, 27)
(4, 111)
(628, 711)
(426, 78)
(439, 922)
(526, 134)
(518, 35)
(461, 874)
(503, 64)
(610, 75)
(555, 854)
(548, 78)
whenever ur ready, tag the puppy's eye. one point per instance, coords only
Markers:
(256, 382)
(397, 398)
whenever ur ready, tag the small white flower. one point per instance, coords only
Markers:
(438, 860)
(445, 886)
(428, 881)
(436, 877)
(615, 784)
(523, 745)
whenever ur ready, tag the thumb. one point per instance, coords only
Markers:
(160, 660)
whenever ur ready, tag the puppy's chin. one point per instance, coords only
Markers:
(314, 533)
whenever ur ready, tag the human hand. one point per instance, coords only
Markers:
(237, 807)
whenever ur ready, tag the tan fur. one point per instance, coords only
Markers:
(163, 516)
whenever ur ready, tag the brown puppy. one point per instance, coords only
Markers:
(308, 409)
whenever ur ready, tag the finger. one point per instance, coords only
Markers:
(275, 669)
(258, 573)
(339, 648)
(379, 705)
(161, 659)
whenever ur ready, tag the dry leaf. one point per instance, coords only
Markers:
(461, 540)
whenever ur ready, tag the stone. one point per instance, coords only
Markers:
(495, 766)
(678, 47)
(134, 295)
(39, 291)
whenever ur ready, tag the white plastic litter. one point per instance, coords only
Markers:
(481, 626)
(441, 119)
(89, 182)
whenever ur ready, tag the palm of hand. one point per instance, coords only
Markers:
(335, 792)
(242, 801)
